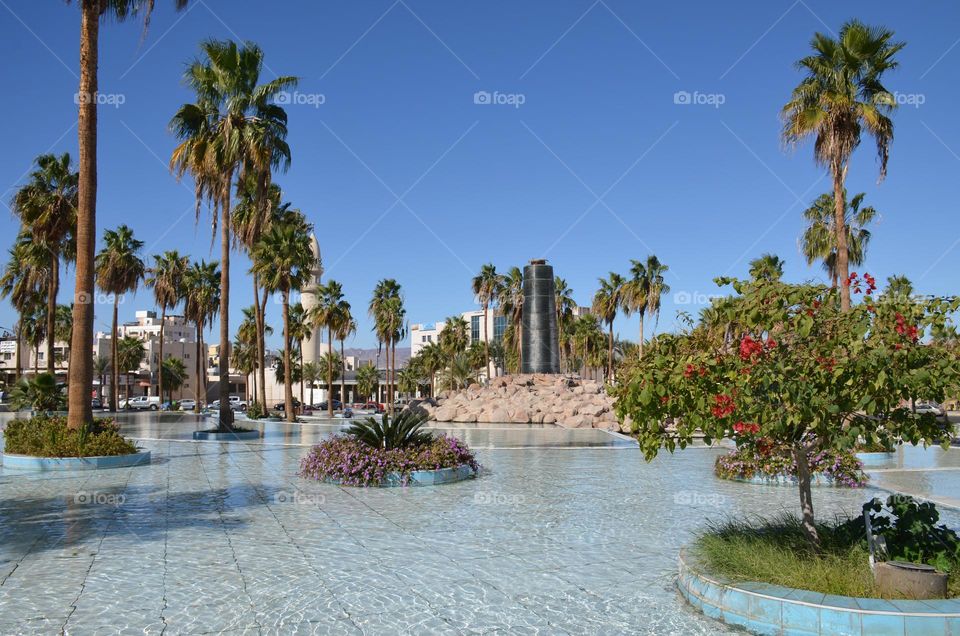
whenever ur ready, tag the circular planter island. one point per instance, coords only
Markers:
(34, 463)
(762, 608)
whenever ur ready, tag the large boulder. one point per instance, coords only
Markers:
(445, 413)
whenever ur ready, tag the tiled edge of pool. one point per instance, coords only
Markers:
(426, 477)
(227, 437)
(762, 479)
(772, 609)
(45, 464)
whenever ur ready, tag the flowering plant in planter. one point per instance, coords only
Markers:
(769, 459)
(371, 452)
(784, 364)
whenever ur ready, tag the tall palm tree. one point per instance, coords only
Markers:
(282, 259)
(368, 381)
(101, 365)
(607, 302)
(311, 373)
(63, 326)
(201, 293)
(819, 240)
(129, 353)
(166, 279)
(119, 270)
(81, 369)
(249, 335)
(243, 357)
(47, 208)
(768, 267)
(657, 288)
(841, 96)
(300, 330)
(327, 315)
(24, 277)
(233, 127)
(511, 304)
(588, 340)
(565, 306)
(345, 327)
(455, 336)
(486, 287)
(433, 360)
(386, 309)
(637, 295)
(173, 372)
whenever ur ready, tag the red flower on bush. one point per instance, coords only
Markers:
(746, 428)
(749, 348)
(722, 405)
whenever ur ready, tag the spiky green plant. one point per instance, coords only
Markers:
(402, 431)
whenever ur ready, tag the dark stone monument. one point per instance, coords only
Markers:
(540, 344)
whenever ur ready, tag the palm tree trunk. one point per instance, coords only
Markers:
(115, 371)
(261, 344)
(36, 360)
(226, 413)
(287, 385)
(610, 356)
(19, 371)
(79, 407)
(163, 321)
(301, 373)
(52, 311)
(199, 368)
(641, 336)
(343, 376)
(329, 372)
(486, 342)
(840, 229)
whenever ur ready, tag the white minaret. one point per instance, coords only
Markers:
(308, 298)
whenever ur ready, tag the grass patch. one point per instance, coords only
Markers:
(775, 551)
(48, 436)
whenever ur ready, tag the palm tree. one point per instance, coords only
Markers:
(119, 270)
(23, 279)
(282, 260)
(249, 337)
(81, 369)
(47, 208)
(328, 314)
(368, 381)
(433, 360)
(386, 309)
(565, 306)
(201, 293)
(166, 279)
(588, 339)
(819, 241)
(232, 129)
(129, 353)
(459, 373)
(486, 287)
(173, 373)
(345, 327)
(899, 288)
(511, 304)
(63, 327)
(101, 365)
(768, 267)
(606, 304)
(841, 96)
(455, 336)
(311, 373)
(299, 331)
(34, 331)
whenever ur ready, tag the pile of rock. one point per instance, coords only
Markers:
(538, 398)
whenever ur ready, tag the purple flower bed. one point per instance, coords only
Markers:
(348, 461)
(842, 467)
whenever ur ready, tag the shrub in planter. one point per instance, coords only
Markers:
(48, 436)
(768, 459)
(372, 450)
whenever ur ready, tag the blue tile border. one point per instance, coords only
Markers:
(234, 436)
(772, 609)
(50, 464)
(763, 479)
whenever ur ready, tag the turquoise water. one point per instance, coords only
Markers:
(566, 532)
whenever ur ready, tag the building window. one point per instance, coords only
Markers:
(475, 328)
(499, 327)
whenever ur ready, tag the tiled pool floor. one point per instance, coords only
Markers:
(561, 535)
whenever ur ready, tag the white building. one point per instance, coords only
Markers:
(31, 358)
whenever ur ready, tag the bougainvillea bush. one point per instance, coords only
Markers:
(767, 459)
(784, 362)
(372, 451)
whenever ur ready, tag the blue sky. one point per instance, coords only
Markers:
(405, 176)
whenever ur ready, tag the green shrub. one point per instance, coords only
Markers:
(777, 551)
(403, 431)
(40, 394)
(48, 436)
(256, 411)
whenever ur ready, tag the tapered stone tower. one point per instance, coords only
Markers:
(540, 344)
(308, 298)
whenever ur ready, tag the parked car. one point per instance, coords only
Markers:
(373, 407)
(280, 406)
(237, 404)
(930, 407)
(337, 405)
(141, 403)
(188, 404)
(96, 403)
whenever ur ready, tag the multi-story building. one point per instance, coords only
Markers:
(31, 359)
(425, 333)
